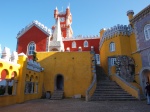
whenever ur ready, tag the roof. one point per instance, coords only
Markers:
(141, 14)
(39, 25)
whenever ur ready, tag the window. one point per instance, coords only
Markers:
(97, 58)
(73, 44)
(112, 47)
(113, 61)
(147, 31)
(85, 43)
(31, 48)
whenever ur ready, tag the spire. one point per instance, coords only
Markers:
(56, 8)
(57, 32)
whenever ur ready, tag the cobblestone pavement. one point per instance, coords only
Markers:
(77, 105)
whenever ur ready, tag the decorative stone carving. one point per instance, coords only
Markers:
(14, 57)
(125, 67)
(33, 65)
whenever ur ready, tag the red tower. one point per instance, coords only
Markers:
(65, 22)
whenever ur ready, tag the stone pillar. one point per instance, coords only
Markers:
(32, 88)
(15, 87)
(26, 87)
(36, 87)
(6, 88)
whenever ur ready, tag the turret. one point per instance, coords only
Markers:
(102, 32)
(55, 13)
(68, 11)
(130, 14)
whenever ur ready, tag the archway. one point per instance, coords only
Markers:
(144, 77)
(54, 49)
(59, 82)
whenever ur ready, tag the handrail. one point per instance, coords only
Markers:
(91, 87)
(128, 84)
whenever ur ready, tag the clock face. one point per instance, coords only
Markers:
(62, 19)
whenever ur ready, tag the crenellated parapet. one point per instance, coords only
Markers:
(116, 31)
(33, 65)
(37, 24)
(81, 37)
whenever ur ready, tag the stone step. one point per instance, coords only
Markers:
(111, 94)
(113, 99)
(108, 87)
(57, 95)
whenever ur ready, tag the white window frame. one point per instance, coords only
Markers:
(147, 32)
(97, 58)
(74, 44)
(112, 61)
(112, 47)
(85, 44)
(31, 48)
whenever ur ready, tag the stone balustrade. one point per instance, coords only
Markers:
(82, 37)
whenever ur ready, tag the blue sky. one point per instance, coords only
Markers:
(89, 16)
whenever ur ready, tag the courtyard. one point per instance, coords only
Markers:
(77, 105)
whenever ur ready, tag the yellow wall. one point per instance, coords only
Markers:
(125, 45)
(21, 71)
(74, 66)
(122, 47)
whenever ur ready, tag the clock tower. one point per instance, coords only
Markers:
(65, 22)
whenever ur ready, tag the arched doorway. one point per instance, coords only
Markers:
(54, 49)
(144, 77)
(59, 82)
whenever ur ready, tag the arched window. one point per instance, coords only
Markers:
(112, 47)
(147, 31)
(31, 48)
(86, 43)
(73, 44)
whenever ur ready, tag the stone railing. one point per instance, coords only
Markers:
(116, 30)
(35, 66)
(92, 87)
(80, 37)
(126, 86)
(36, 23)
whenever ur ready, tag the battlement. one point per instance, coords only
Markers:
(37, 24)
(116, 30)
(82, 37)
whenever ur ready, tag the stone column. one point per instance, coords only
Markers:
(26, 87)
(32, 88)
(15, 87)
(6, 88)
(36, 87)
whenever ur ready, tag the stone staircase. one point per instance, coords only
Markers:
(57, 95)
(109, 90)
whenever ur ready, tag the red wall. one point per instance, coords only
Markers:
(33, 34)
(79, 43)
